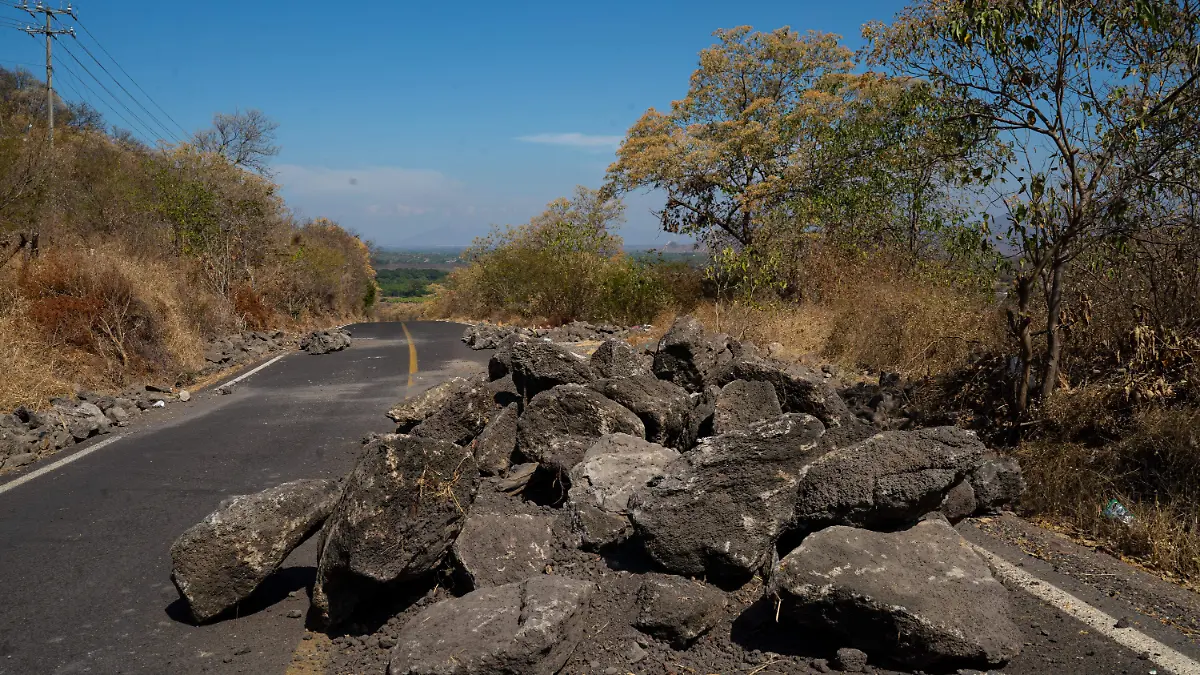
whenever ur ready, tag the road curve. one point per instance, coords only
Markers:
(84, 562)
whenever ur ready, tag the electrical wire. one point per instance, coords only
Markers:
(80, 81)
(126, 73)
(142, 129)
(169, 134)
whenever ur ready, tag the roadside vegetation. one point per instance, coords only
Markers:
(118, 261)
(996, 200)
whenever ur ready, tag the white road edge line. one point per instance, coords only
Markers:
(1160, 654)
(59, 464)
(243, 376)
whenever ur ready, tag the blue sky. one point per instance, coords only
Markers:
(448, 116)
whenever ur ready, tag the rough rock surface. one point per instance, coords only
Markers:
(664, 408)
(243, 347)
(997, 482)
(800, 390)
(559, 425)
(495, 445)
(889, 480)
(959, 502)
(601, 484)
(325, 341)
(742, 403)
(539, 366)
(404, 504)
(920, 596)
(525, 628)
(720, 508)
(614, 358)
(677, 610)
(495, 549)
(218, 562)
(412, 411)
(462, 416)
(690, 357)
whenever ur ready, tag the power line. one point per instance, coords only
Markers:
(119, 102)
(50, 34)
(135, 83)
(82, 83)
(170, 134)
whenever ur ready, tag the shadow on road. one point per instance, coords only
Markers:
(273, 590)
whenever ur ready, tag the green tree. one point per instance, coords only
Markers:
(1093, 106)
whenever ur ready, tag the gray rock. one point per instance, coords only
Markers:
(851, 660)
(664, 408)
(118, 415)
(704, 408)
(997, 483)
(19, 460)
(484, 336)
(500, 365)
(959, 502)
(800, 390)
(463, 416)
(559, 425)
(324, 342)
(495, 549)
(887, 481)
(495, 445)
(720, 508)
(185, 395)
(412, 411)
(919, 596)
(690, 357)
(219, 562)
(677, 610)
(526, 628)
(742, 403)
(614, 358)
(540, 366)
(403, 505)
(611, 470)
(517, 478)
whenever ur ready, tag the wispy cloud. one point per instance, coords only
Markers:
(575, 140)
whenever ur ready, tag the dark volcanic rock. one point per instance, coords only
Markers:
(323, 342)
(959, 502)
(800, 390)
(690, 357)
(539, 366)
(500, 365)
(720, 508)
(559, 425)
(742, 403)
(218, 562)
(664, 408)
(462, 416)
(412, 411)
(889, 480)
(602, 483)
(677, 610)
(525, 628)
(495, 549)
(997, 482)
(614, 358)
(920, 596)
(495, 445)
(402, 508)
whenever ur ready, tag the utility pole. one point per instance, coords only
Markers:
(50, 33)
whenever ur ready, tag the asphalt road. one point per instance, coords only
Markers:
(84, 563)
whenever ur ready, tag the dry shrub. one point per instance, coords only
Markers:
(31, 366)
(249, 306)
(802, 328)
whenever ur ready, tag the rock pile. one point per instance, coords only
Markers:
(490, 336)
(325, 341)
(240, 348)
(655, 508)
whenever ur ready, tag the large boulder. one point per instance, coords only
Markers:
(690, 357)
(997, 482)
(403, 506)
(889, 480)
(559, 425)
(601, 484)
(412, 411)
(921, 596)
(219, 562)
(539, 366)
(614, 358)
(664, 408)
(720, 508)
(324, 342)
(463, 416)
(743, 403)
(524, 628)
(500, 365)
(495, 549)
(495, 445)
(677, 610)
(800, 390)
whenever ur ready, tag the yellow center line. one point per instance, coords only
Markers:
(412, 354)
